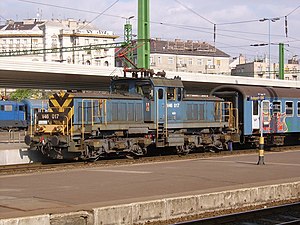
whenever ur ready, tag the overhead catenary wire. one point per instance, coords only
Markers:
(181, 26)
(70, 8)
(100, 14)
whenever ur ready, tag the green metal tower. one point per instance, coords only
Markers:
(143, 43)
(281, 61)
(128, 40)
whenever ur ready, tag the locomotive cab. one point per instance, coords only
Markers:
(158, 94)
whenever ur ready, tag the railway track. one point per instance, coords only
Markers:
(39, 167)
(279, 215)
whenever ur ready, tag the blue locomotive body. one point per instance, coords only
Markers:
(12, 115)
(137, 116)
(19, 115)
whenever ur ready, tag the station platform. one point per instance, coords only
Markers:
(131, 194)
(9, 153)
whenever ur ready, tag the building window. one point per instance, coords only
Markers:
(209, 62)
(86, 41)
(170, 60)
(159, 60)
(35, 43)
(199, 62)
(152, 61)
(190, 61)
(219, 62)
(289, 109)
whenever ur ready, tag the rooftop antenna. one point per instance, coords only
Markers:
(38, 14)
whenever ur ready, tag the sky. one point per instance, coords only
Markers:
(237, 21)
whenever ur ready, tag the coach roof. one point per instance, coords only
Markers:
(255, 90)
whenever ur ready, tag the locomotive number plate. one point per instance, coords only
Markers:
(51, 116)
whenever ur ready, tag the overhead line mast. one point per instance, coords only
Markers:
(143, 52)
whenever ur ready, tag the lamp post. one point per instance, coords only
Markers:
(259, 99)
(261, 154)
(270, 20)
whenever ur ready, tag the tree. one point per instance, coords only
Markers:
(21, 94)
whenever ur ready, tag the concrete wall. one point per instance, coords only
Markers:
(164, 209)
(12, 156)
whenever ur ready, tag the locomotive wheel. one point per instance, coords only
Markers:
(137, 150)
(182, 150)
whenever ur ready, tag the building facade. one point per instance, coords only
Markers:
(259, 69)
(33, 34)
(188, 56)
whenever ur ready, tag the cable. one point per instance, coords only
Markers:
(199, 30)
(293, 10)
(100, 14)
(188, 8)
(69, 8)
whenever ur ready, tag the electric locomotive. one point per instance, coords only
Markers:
(139, 115)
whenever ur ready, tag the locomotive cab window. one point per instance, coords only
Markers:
(146, 90)
(120, 87)
(276, 107)
(179, 94)
(171, 93)
(160, 93)
(289, 109)
(8, 108)
(21, 108)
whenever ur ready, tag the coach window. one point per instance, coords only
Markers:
(21, 108)
(266, 108)
(255, 108)
(289, 109)
(298, 108)
(2, 107)
(160, 93)
(276, 107)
